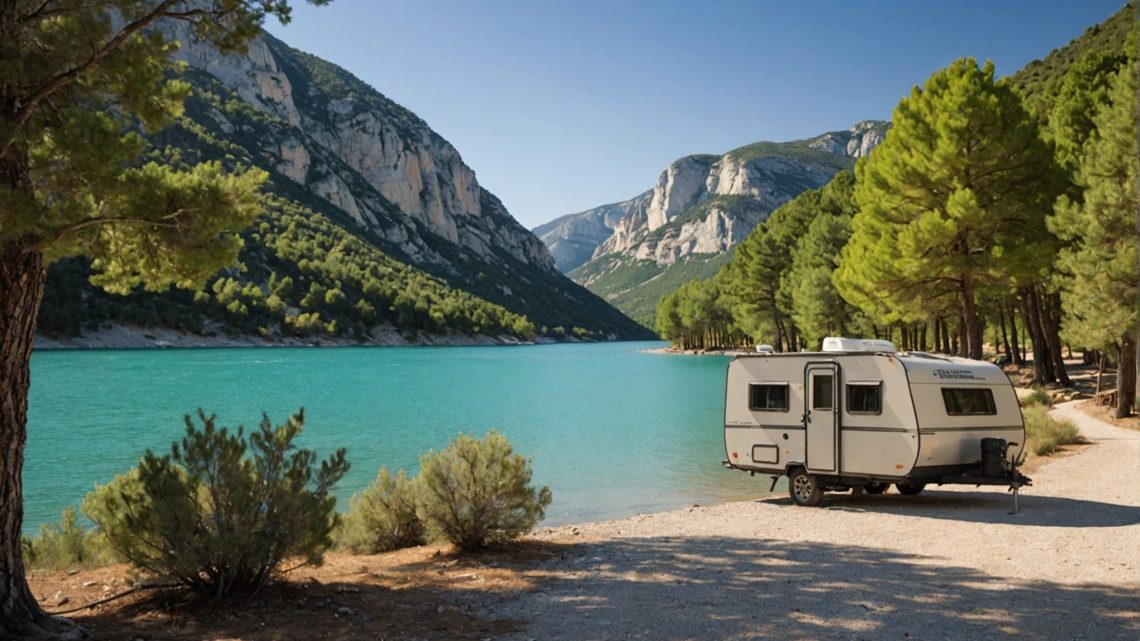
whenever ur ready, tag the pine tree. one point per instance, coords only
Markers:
(1100, 296)
(953, 201)
(78, 82)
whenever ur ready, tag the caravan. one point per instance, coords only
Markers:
(859, 414)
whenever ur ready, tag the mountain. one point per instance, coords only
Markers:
(374, 222)
(702, 205)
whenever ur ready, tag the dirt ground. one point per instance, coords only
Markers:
(399, 595)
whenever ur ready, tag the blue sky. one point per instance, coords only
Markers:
(560, 106)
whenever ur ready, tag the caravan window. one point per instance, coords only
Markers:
(968, 401)
(864, 398)
(768, 398)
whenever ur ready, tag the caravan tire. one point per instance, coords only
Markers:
(804, 488)
(910, 489)
(876, 488)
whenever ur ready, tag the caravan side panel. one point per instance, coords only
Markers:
(763, 413)
(883, 443)
(959, 403)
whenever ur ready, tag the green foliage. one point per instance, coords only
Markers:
(67, 544)
(222, 511)
(1038, 397)
(952, 204)
(382, 517)
(1100, 291)
(1044, 434)
(476, 492)
(1040, 81)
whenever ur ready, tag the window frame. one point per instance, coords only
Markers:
(991, 404)
(787, 397)
(878, 386)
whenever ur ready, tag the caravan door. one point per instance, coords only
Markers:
(821, 416)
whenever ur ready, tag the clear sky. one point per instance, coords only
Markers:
(562, 105)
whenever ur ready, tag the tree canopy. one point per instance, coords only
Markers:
(953, 202)
(80, 83)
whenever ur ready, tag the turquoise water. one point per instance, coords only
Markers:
(612, 429)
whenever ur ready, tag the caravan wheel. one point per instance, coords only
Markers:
(910, 489)
(804, 488)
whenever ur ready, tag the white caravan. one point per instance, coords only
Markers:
(861, 415)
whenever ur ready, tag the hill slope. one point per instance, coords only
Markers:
(373, 220)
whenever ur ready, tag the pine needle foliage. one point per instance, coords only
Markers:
(383, 516)
(221, 511)
(478, 491)
(67, 544)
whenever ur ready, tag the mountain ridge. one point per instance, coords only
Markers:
(701, 206)
(432, 251)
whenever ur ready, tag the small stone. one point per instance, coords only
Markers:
(345, 611)
(88, 584)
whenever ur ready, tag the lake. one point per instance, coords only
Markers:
(612, 429)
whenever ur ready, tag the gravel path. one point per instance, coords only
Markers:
(948, 564)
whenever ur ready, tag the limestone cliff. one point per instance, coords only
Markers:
(701, 206)
(365, 155)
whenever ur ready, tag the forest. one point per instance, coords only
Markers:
(996, 212)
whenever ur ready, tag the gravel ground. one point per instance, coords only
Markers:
(948, 564)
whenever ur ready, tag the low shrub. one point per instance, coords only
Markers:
(476, 492)
(221, 512)
(1038, 397)
(1044, 434)
(382, 517)
(68, 544)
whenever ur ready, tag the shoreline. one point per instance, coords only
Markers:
(127, 337)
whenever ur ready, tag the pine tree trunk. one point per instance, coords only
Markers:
(1004, 334)
(972, 332)
(1126, 377)
(1040, 340)
(1052, 318)
(21, 286)
(1040, 375)
(1015, 343)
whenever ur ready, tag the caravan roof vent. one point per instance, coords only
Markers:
(840, 344)
(765, 349)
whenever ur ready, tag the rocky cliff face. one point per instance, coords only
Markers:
(368, 157)
(573, 238)
(706, 204)
(699, 209)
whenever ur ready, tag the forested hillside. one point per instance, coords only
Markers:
(997, 212)
(372, 226)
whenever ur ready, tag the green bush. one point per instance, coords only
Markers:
(476, 492)
(382, 517)
(1038, 397)
(67, 544)
(1045, 434)
(221, 512)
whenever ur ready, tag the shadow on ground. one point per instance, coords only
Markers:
(987, 507)
(727, 588)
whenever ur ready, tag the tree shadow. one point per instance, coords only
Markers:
(299, 610)
(734, 588)
(994, 507)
